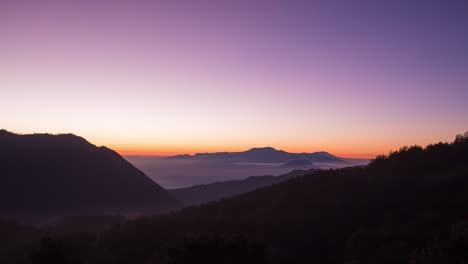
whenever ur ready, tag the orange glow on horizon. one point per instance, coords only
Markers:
(345, 149)
(179, 151)
(346, 145)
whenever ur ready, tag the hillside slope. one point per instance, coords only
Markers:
(203, 193)
(46, 175)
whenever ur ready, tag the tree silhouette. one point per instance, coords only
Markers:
(52, 251)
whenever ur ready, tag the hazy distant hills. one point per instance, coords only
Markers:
(214, 191)
(266, 155)
(204, 168)
(298, 163)
(48, 175)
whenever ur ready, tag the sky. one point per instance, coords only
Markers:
(354, 78)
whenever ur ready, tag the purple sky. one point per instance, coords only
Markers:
(355, 78)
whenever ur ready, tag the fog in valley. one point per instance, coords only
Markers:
(177, 173)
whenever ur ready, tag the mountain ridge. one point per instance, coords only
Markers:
(262, 154)
(66, 174)
(214, 191)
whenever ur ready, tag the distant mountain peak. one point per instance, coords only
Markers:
(263, 154)
(270, 149)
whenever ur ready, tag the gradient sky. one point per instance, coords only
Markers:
(355, 78)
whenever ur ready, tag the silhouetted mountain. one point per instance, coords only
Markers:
(214, 191)
(267, 154)
(298, 163)
(46, 175)
(407, 207)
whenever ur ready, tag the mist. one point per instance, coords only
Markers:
(178, 173)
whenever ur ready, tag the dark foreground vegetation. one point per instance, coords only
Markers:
(408, 207)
